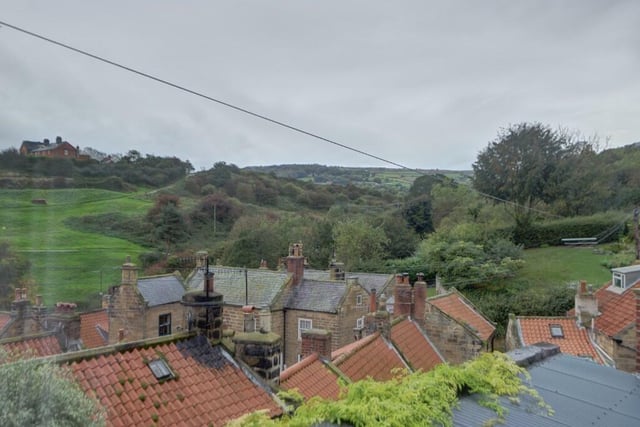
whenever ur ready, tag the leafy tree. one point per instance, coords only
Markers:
(417, 399)
(401, 239)
(253, 239)
(36, 393)
(13, 271)
(169, 225)
(418, 215)
(358, 241)
(465, 257)
(520, 165)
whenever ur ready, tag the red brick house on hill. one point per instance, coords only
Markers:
(60, 149)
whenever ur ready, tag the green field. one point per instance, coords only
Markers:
(68, 265)
(565, 264)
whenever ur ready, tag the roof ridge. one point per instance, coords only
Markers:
(362, 344)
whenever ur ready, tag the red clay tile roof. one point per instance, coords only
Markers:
(459, 308)
(4, 320)
(312, 378)
(414, 346)
(575, 341)
(369, 357)
(208, 387)
(33, 346)
(618, 310)
(94, 328)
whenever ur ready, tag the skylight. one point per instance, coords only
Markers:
(160, 369)
(556, 331)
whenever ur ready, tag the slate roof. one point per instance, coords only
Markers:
(209, 388)
(369, 357)
(581, 393)
(312, 295)
(94, 328)
(312, 377)
(617, 309)
(261, 288)
(159, 290)
(368, 281)
(35, 346)
(414, 346)
(575, 341)
(459, 308)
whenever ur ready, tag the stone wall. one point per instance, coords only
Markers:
(455, 342)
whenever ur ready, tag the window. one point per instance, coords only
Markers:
(160, 369)
(66, 152)
(304, 325)
(360, 322)
(164, 324)
(556, 331)
(618, 280)
(358, 299)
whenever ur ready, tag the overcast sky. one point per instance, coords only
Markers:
(424, 84)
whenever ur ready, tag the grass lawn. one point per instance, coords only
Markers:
(564, 264)
(68, 265)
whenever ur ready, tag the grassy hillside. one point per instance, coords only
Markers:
(68, 265)
(559, 265)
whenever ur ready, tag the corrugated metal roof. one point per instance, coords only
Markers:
(580, 392)
(158, 290)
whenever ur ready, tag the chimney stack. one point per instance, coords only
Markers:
(373, 304)
(209, 284)
(129, 273)
(316, 341)
(263, 264)
(419, 299)
(295, 263)
(403, 294)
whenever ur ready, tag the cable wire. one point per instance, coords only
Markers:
(244, 110)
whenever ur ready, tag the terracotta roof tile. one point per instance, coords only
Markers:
(371, 357)
(617, 310)
(5, 318)
(94, 328)
(575, 340)
(312, 378)
(191, 397)
(33, 346)
(414, 345)
(459, 308)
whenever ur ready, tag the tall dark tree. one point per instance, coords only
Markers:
(519, 166)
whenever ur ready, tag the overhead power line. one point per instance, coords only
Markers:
(240, 109)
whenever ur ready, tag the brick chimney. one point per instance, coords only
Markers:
(263, 264)
(402, 294)
(295, 262)
(316, 341)
(249, 317)
(201, 259)
(419, 299)
(373, 303)
(586, 305)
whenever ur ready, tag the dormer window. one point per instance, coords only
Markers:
(556, 331)
(619, 280)
(358, 299)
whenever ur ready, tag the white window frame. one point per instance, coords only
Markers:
(360, 323)
(304, 325)
(619, 280)
(359, 299)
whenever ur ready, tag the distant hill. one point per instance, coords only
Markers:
(361, 176)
